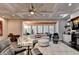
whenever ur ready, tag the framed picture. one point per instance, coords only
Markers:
(1, 29)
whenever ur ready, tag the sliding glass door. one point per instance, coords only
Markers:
(40, 29)
(45, 29)
(51, 29)
(29, 29)
(34, 29)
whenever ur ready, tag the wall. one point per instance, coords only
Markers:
(15, 27)
(61, 28)
(5, 30)
(57, 27)
(11, 26)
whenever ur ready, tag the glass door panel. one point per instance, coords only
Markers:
(34, 28)
(45, 29)
(51, 29)
(39, 29)
(29, 29)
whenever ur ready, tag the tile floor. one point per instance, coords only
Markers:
(54, 49)
(57, 49)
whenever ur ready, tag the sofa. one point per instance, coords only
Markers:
(6, 49)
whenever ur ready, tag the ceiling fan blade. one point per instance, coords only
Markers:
(45, 11)
(32, 6)
(21, 11)
(35, 14)
(38, 13)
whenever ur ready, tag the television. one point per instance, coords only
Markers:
(75, 23)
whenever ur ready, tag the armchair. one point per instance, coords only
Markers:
(55, 38)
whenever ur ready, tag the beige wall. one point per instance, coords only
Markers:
(15, 27)
(11, 26)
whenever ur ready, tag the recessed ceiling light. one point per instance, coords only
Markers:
(13, 15)
(69, 4)
(3, 16)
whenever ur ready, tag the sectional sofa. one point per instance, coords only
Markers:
(6, 49)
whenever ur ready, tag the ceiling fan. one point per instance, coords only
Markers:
(32, 10)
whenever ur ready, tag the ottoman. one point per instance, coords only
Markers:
(43, 42)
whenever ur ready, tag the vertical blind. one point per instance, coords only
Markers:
(34, 28)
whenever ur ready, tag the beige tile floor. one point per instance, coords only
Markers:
(54, 49)
(57, 49)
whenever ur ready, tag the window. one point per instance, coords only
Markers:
(40, 29)
(34, 28)
(45, 30)
(51, 29)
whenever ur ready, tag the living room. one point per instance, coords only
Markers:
(31, 30)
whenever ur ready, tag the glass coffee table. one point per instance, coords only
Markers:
(28, 45)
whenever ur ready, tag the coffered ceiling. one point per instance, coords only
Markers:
(43, 10)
